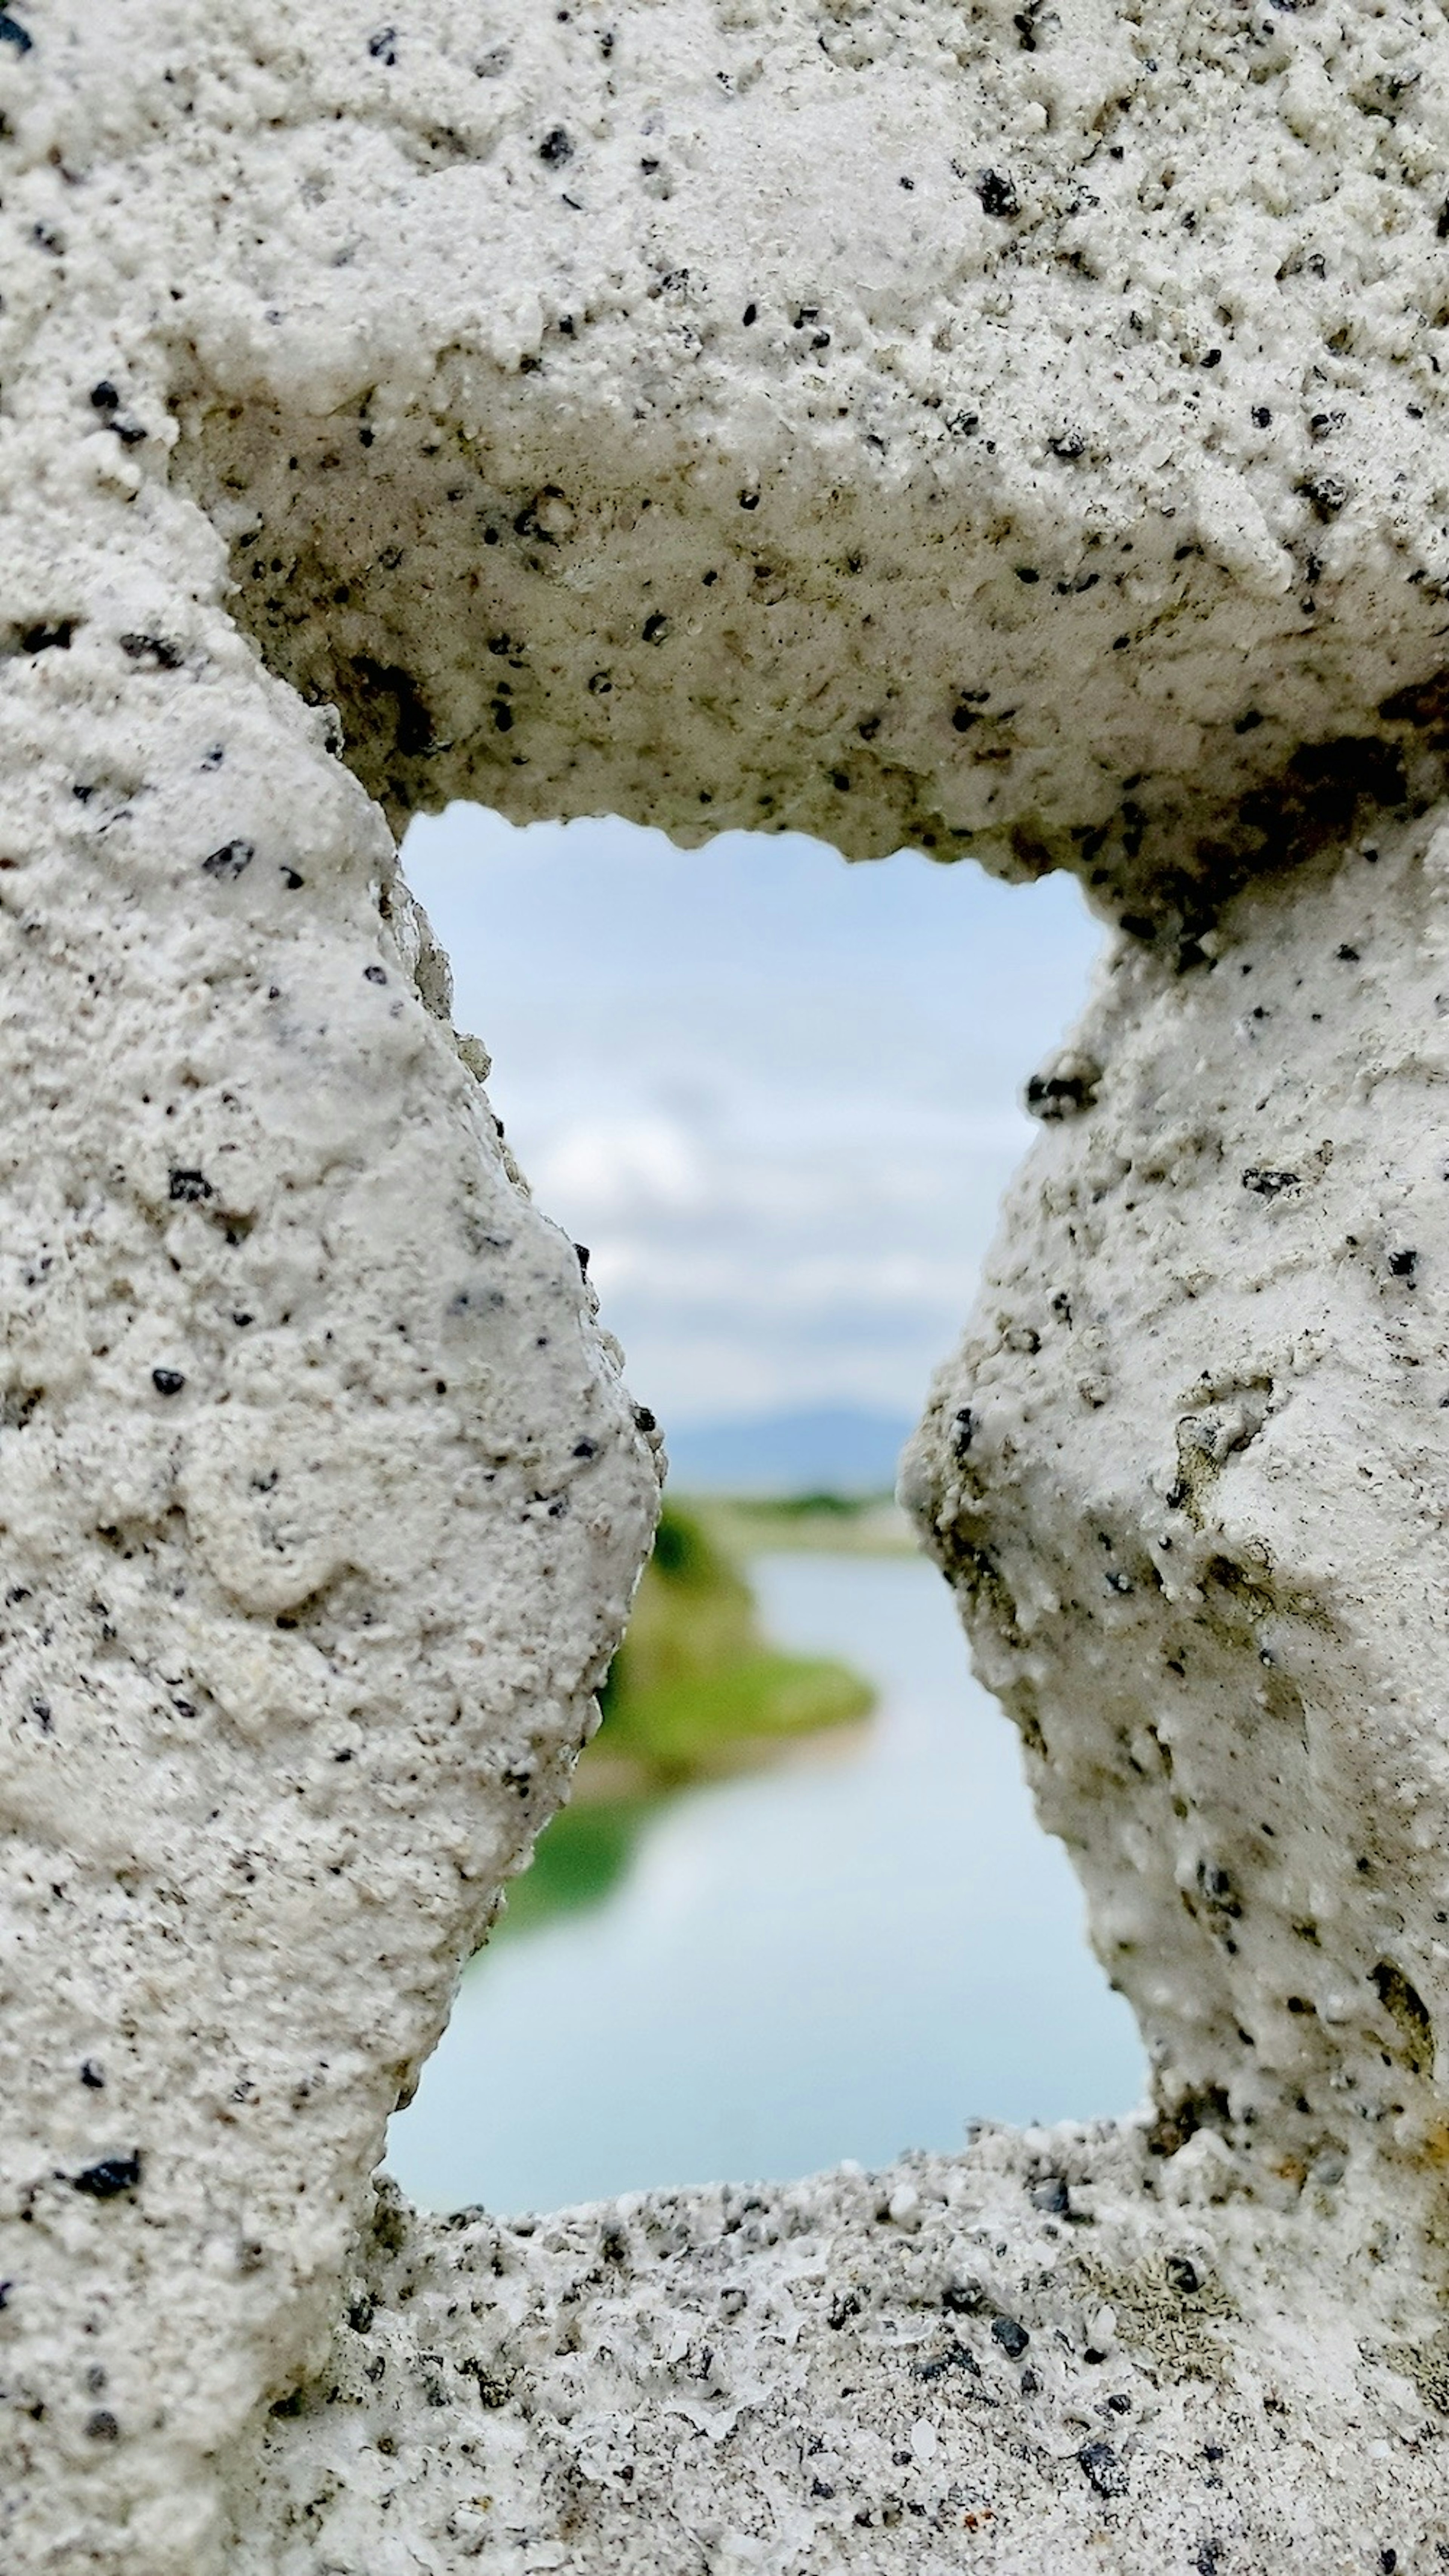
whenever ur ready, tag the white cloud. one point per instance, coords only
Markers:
(620, 1167)
(777, 1097)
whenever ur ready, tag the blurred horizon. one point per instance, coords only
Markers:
(823, 1449)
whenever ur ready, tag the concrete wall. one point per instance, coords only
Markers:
(1015, 430)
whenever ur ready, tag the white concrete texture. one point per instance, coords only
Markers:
(733, 411)
(1037, 2358)
(1188, 1471)
(1015, 429)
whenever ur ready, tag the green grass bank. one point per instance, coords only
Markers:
(696, 1692)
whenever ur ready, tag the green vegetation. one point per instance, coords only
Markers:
(576, 1860)
(825, 1524)
(695, 1689)
(694, 1693)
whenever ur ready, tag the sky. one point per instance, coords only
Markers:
(777, 1096)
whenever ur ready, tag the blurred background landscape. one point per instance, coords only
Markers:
(798, 1909)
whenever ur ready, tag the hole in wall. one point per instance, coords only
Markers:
(778, 1100)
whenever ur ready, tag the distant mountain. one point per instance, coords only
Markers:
(830, 1449)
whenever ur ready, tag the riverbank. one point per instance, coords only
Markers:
(825, 1958)
(819, 1524)
(697, 1692)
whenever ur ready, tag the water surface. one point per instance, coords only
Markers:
(842, 1958)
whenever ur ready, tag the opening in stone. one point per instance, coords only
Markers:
(777, 1099)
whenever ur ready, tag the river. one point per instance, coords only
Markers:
(839, 1958)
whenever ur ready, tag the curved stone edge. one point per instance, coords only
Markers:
(321, 1505)
(1033, 2359)
(672, 416)
(1186, 1475)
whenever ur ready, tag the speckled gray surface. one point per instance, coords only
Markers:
(780, 412)
(1016, 428)
(1188, 1472)
(1054, 2355)
(320, 1504)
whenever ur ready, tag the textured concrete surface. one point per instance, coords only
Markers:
(320, 1505)
(1060, 2353)
(1014, 429)
(761, 411)
(320, 1499)
(1188, 1473)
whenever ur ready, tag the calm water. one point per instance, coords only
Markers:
(841, 1959)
